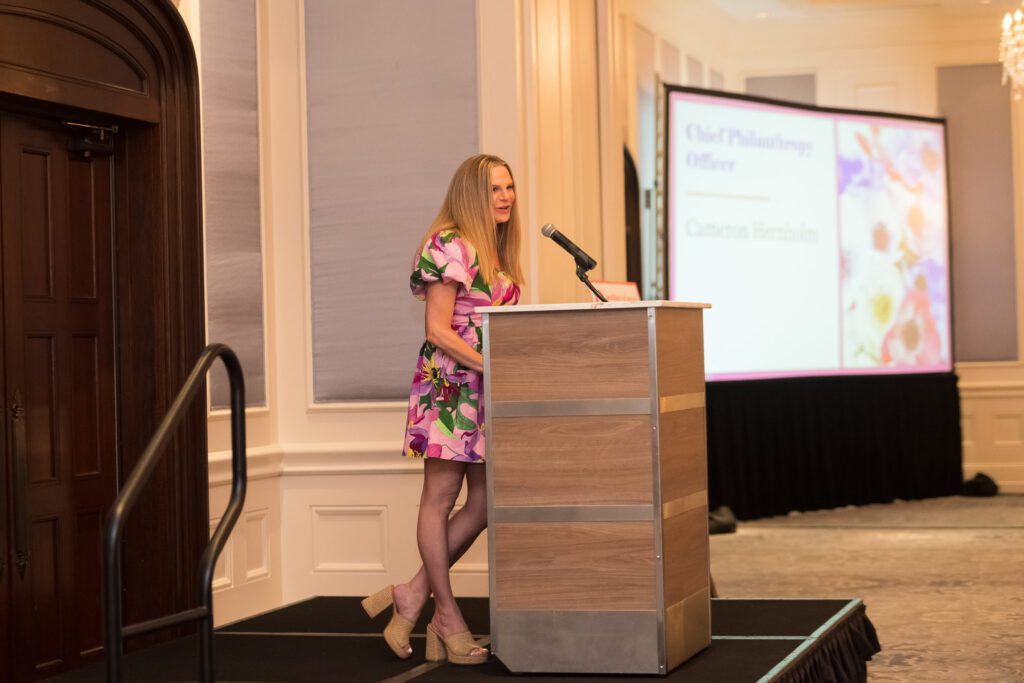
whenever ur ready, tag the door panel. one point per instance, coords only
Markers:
(34, 195)
(58, 338)
(86, 559)
(82, 236)
(44, 587)
(39, 358)
(86, 399)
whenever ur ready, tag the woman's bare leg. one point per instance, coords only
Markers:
(442, 481)
(473, 515)
(463, 529)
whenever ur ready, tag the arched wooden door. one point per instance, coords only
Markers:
(101, 261)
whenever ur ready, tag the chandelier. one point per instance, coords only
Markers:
(1011, 51)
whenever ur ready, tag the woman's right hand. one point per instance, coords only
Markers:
(440, 299)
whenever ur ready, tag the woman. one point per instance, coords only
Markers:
(468, 258)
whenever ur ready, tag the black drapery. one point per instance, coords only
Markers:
(840, 655)
(811, 443)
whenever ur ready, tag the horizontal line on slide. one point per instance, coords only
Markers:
(730, 195)
(868, 527)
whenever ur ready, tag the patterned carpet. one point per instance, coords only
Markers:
(943, 579)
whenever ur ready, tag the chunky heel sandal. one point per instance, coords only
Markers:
(456, 648)
(396, 633)
(379, 601)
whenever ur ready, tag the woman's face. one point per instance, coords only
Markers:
(503, 194)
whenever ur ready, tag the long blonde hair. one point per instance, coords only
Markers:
(467, 210)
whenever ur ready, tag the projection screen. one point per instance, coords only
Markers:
(819, 236)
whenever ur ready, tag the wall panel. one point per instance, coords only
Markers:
(247, 579)
(391, 91)
(877, 96)
(977, 110)
(223, 571)
(349, 538)
(257, 544)
(795, 88)
(669, 62)
(351, 528)
(993, 434)
(231, 193)
(694, 72)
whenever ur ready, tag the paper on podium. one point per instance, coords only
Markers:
(616, 291)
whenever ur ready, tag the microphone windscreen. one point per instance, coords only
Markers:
(548, 230)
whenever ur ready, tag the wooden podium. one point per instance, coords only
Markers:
(597, 482)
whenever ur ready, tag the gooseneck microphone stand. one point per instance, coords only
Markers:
(581, 273)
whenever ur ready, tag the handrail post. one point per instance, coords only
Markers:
(220, 536)
(112, 597)
(113, 604)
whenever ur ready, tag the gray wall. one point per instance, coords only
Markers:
(234, 259)
(670, 66)
(802, 88)
(694, 72)
(392, 106)
(716, 81)
(977, 110)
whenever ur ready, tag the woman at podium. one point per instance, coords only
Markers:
(469, 257)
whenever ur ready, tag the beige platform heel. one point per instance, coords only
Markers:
(396, 633)
(456, 648)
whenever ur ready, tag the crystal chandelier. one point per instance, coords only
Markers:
(1011, 51)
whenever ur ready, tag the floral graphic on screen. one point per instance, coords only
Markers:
(893, 246)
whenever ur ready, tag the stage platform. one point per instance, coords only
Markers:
(329, 639)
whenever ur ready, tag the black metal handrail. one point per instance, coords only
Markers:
(116, 632)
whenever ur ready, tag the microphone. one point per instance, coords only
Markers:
(583, 260)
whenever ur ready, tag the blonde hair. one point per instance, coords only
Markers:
(467, 210)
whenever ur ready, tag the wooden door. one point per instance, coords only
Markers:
(59, 389)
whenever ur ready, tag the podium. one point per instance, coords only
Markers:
(597, 486)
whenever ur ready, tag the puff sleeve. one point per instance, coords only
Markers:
(445, 257)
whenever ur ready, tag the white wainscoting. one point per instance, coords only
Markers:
(323, 519)
(349, 523)
(247, 578)
(223, 572)
(992, 417)
(347, 539)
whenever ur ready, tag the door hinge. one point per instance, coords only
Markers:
(89, 141)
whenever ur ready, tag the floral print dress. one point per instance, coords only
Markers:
(446, 412)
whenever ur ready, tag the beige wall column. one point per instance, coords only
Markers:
(549, 106)
(562, 127)
(612, 140)
(505, 94)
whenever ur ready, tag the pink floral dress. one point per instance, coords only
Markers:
(446, 412)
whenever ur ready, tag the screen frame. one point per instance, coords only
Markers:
(669, 88)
